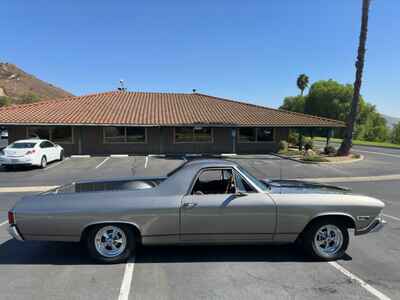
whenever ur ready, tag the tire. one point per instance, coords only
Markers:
(43, 162)
(61, 155)
(326, 239)
(117, 249)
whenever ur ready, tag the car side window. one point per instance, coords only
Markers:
(242, 185)
(46, 144)
(214, 181)
(42, 145)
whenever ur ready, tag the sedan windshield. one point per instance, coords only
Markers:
(256, 182)
(22, 145)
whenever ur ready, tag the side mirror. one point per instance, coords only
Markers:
(240, 193)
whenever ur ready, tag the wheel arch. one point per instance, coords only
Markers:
(347, 219)
(134, 227)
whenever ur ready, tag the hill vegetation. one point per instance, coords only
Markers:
(19, 87)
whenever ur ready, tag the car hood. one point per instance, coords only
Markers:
(303, 187)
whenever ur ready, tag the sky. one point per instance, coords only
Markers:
(247, 50)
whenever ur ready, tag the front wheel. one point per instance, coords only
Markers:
(111, 243)
(326, 239)
(61, 155)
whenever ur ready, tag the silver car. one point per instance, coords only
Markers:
(201, 202)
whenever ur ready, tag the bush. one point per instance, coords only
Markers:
(309, 144)
(315, 158)
(283, 146)
(293, 138)
(329, 150)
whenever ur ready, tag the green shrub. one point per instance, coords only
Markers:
(283, 146)
(309, 144)
(293, 138)
(315, 158)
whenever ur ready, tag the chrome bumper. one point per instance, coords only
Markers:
(13, 231)
(375, 226)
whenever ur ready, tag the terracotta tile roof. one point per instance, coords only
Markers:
(155, 109)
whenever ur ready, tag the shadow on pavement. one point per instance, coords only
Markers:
(60, 253)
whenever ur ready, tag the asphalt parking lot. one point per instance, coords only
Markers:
(41, 270)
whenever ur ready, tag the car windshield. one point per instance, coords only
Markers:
(22, 145)
(257, 182)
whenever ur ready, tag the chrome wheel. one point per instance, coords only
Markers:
(110, 241)
(44, 162)
(328, 240)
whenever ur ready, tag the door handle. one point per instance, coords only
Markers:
(189, 205)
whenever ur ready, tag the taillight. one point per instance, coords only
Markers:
(30, 152)
(11, 218)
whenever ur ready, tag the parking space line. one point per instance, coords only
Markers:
(100, 164)
(146, 162)
(391, 217)
(26, 189)
(56, 164)
(363, 284)
(3, 223)
(127, 280)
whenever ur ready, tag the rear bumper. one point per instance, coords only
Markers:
(13, 231)
(7, 161)
(375, 226)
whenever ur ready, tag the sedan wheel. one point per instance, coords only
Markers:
(326, 240)
(110, 243)
(61, 155)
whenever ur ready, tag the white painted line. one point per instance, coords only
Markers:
(22, 189)
(391, 217)
(379, 153)
(119, 155)
(363, 284)
(56, 164)
(80, 156)
(127, 280)
(3, 223)
(354, 179)
(100, 164)
(146, 162)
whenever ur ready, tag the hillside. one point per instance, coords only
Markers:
(22, 87)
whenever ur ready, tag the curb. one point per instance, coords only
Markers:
(321, 162)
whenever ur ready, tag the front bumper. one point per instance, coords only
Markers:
(13, 231)
(376, 225)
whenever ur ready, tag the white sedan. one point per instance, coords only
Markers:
(32, 152)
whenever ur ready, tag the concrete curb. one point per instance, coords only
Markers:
(321, 162)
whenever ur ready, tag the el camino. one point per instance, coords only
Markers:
(201, 202)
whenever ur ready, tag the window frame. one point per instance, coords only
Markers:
(50, 129)
(193, 141)
(234, 172)
(256, 141)
(125, 135)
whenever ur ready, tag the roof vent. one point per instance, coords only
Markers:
(121, 88)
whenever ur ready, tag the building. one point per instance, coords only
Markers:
(155, 123)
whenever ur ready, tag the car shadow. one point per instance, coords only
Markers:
(13, 252)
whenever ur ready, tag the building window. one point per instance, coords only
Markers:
(256, 135)
(193, 135)
(124, 135)
(59, 134)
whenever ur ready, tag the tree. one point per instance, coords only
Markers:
(396, 134)
(302, 82)
(4, 101)
(348, 135)
(295, 103)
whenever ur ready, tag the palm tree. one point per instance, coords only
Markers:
(348, 134)
(302, 82)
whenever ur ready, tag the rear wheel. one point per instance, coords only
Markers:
(326, 239)
(111, 243)
(43, 162)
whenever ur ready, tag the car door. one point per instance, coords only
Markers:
(223, 206)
